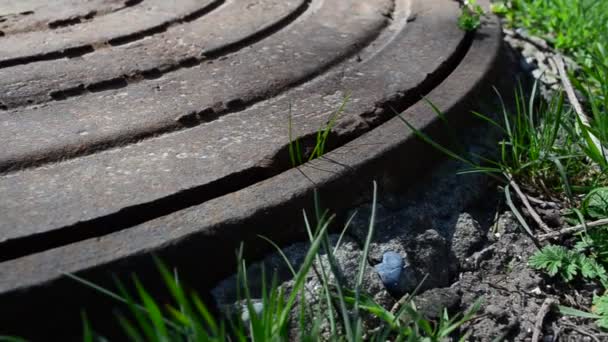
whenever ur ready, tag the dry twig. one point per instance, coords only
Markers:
(524, 200)
(400, 303)
(582, 331)
(559, 61)
(573, 229)
(584, 119)
(539, 43)
(541, 202)
(540, 317)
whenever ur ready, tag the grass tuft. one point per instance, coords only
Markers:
(187, 318)
(297, 154)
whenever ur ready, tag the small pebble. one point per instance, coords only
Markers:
(540, 57)
(258, 308)
(522, 32)
(395, 273)
(390, 270)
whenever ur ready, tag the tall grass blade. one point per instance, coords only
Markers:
(140, 316)
(280, 251)
(130, 329)
(516, 212)
(435, 145)
(154, 312)
(87, 332)
(301, 276)
(346, 225)
(566, 310)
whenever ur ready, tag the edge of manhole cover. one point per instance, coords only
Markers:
(203, 238)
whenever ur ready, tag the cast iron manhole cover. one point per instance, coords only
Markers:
(121, 115)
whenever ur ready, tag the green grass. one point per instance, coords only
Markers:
(592, 81)
(551, 150)
(578, 29)
(343, 309)
(568, 264)
(297, 154)
(571, 26)
(470, 17)
(543, 148)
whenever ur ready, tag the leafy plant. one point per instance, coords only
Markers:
(593, 242)
(595, 204)
(470, 17)
(553, 260)
(599, 311)
(600, 308)
(568, 264)
(499, 8)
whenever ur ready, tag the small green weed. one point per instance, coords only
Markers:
(595, 204)
(499, 8)
(600, 308)
(599, 311)
(470, 17)
(593, 242)
(568, 264)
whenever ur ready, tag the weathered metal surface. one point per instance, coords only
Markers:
(176, 141)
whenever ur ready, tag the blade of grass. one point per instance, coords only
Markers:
(566, 310)
(346, 225)
(87, 332)
(156, 316)
(324, 280)
(301, 276)
(129, 329)
(516, 212)
(140, 316)
(280, 251)
(565, 180)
